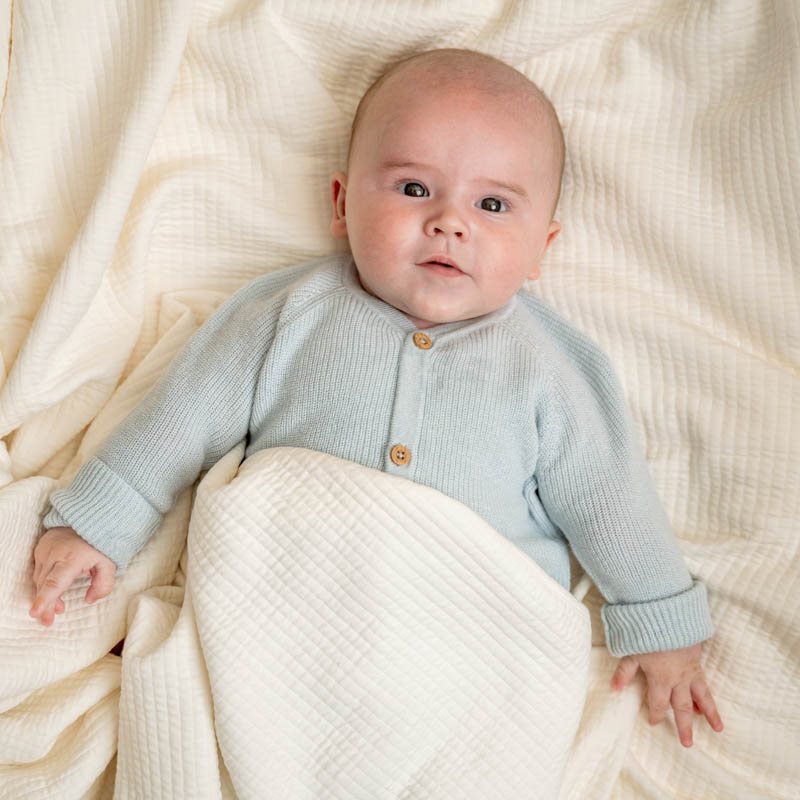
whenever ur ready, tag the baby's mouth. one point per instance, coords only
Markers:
(442, 264)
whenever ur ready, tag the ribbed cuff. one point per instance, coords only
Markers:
(52, 519)
(668, 624)
(108, 513)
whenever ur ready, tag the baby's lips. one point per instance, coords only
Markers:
(442, 259)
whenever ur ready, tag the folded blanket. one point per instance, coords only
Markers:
(344, 633)
(328, 630)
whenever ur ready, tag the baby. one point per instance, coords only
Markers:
(418, 355)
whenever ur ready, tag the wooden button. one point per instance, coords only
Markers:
(400, 454)
(422, 340)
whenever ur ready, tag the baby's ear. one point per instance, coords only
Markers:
(552, 232)
(338, 192)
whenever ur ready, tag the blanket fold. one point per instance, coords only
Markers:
(368, 637)
(341, 632)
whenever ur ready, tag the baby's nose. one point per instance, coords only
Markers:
(447, 223)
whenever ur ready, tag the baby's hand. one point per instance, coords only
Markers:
(674, 678)
(60, 557)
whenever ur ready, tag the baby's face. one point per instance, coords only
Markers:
(447, 203)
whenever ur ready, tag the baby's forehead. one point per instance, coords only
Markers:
(481, 82)
(423, 81)
(465, 102)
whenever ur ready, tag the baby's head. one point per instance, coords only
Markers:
(454, 174)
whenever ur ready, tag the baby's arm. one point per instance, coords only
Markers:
(196, 412)
(595, 485)
(60, 557)
(674, 678)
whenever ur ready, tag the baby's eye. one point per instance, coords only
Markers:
(414, 189)
(493, 204)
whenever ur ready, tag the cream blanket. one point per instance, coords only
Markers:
(156, 155)
(364, 637)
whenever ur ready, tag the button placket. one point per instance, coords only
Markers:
(401, 452)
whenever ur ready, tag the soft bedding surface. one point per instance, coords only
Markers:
(155, 156)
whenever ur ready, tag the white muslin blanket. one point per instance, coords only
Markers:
(366, 637)
(154, 156)
(343, 633)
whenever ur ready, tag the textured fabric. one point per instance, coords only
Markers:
(331, 659)
(516, 414)
(356, 643)
(155, 156)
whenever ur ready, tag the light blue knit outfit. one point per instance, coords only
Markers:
(516, 414)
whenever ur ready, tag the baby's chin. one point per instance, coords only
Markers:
(422, 323)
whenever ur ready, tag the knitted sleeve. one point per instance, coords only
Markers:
(197, 411)
(594, 484)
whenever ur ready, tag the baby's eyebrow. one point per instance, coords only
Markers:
(513, 188)
(415, 165)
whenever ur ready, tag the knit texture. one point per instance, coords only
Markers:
(516, 414)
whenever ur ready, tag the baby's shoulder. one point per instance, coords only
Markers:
(568, 352)
(267, 296)
(253, 311)
(308, 277)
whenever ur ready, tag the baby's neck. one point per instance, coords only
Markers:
(420, 323)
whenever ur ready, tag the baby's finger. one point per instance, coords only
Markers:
(624, 673)
(658, 697)
(705, 702)
(681, 701)
(102, 581)
(40, 560)
(59, 609)
(46, 615)
(52, 586)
